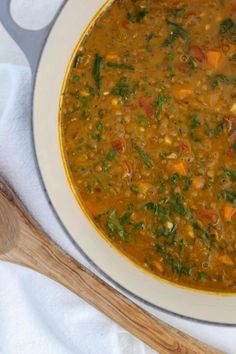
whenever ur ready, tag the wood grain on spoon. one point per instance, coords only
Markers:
(23, 242)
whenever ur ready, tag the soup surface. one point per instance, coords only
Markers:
(148, 123)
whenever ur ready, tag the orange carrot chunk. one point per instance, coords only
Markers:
(198, 182)
(229, 210)
(225, 259)
(180, 168)
(213, 58)
(182, 92)
(95, 207)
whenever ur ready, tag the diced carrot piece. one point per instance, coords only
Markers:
(213, 58)
(95, 207)
(229, 210)
(198, 182)
(159, 267)
(180, 168)
(225, 259)
(144, 187)
(181, 92)
(111, 56)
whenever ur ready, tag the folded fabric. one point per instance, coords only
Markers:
(36, 314)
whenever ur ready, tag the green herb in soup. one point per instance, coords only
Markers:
(148, 122)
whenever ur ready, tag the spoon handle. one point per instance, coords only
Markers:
(35, 250)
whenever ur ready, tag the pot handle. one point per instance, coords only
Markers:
(30, 41)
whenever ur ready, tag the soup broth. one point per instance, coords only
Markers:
(148, 122)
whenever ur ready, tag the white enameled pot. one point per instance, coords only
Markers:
(49, 52)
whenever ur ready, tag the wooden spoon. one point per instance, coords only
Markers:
(23, 242)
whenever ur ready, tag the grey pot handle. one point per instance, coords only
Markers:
(30, 41)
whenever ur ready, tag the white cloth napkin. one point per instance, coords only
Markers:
(37, 315)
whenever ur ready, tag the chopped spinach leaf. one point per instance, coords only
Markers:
(101, 113)
(134, 189)
(159, 104)
(75, 79)
(137, 16)
(99, 126)
(231, 174)
(170, 57)
(192, 63)
(176, 266)
(138, 226)
(227, 195)
(177, 204)
(176, 32)
(149, 37)
(111, 155)
(203, 234)
(228, 30)
(201, 276)
(179, 11)
(124, 219)
(233, 57)
(185, 181)
(161, 212)
(217, 130)
(182, 245)
(124, 88)
(96, 72)
(120, 66)
(145, 157)
(143, 120)
(115, 227)
(97, 136)
(193, 125)
(219, 79)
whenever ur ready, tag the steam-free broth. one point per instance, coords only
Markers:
(148, 122)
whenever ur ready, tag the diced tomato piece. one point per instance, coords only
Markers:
(233, 4)
(208, 215)
(184, 147)
(146, 104)
(126, 24)
(118, 145)
(183, 67)
(197, 53)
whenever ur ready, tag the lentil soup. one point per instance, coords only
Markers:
(148, 124)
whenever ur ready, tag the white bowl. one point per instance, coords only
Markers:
(75, 17)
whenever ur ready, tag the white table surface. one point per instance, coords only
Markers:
(33, 14)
